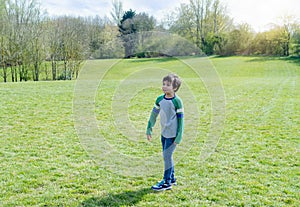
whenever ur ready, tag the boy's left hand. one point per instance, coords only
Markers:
(149, 137)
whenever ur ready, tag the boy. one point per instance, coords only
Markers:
(170, 108)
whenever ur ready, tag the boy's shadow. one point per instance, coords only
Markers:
(127, 198)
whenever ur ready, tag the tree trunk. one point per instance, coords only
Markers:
(65, 69)
(21, 73)
(25, 72)
(129, 45)
(53, 69)
(3, 62)
(12, 74)
(46, 71)
(287, 45)
(4, 73)
(16, 74)
(36, 71)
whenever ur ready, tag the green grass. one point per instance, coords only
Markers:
(256, 163)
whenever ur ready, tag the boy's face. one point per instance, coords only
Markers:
(168, 88)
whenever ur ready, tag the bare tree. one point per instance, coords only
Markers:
(205, 22)
(197, 6)
(117, 11)
(22, 18)
(52, 32)
(3, 40)
(181, 22)
(290, 25)
(68, 42)
(3, 57)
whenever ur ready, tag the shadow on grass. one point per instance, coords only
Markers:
(295, 60)
(266, 58)
(163, 59)
(156, 59)
(127, 198)
(220, 56)
(291, 59)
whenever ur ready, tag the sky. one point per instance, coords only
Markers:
(258, 13)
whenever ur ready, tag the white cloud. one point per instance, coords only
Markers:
(77, 7)
(260, 13)
(257, 13)
(156, 8)
(103, 7)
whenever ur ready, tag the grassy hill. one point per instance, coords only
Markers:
(50, 157)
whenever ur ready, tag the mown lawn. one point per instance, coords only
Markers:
(46, 161)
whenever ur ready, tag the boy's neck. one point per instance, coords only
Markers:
(169, 95)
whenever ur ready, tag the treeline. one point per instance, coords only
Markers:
(35, 46)
(207, 24)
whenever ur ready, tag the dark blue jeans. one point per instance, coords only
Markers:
(168, 148)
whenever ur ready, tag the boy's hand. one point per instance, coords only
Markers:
(149, 137)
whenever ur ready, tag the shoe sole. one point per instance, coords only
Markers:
(162, 189)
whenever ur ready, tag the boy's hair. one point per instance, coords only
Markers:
(174, 80)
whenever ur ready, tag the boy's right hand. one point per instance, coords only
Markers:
(149, 137)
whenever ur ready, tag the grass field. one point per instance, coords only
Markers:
(44, 161)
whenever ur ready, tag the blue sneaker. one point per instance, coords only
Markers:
(161, 186)
(173, 182)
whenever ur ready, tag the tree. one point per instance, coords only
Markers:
(101, 32)
(36, 43)
(117, 11)
(269, 43)
(218, 25)
(259, 44)
(111, 45)
(296, 42)
(279, 40)
(204, 22)
(127, 29)
(290, 25)
(94, 28)
(233, 43)
(22, 31)
(12, 35)
(238, 41)
(181, 22)
(127, 25)
(3, 41)
(197, 7)
(3, 58)
(143, 23)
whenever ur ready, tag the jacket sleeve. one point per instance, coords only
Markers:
(180, 120)
(153, 116)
